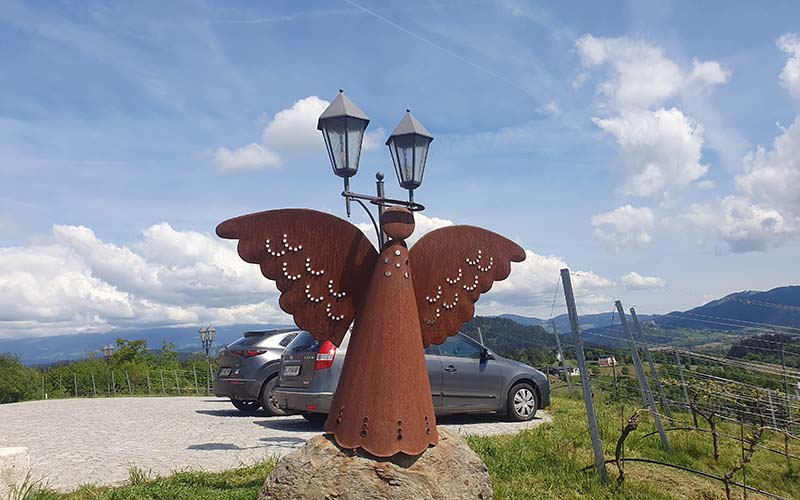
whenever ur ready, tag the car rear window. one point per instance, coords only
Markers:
(303, 342)
(254, 338)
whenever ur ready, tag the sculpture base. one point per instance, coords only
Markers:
(321, 470)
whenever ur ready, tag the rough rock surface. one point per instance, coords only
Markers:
(321, 470)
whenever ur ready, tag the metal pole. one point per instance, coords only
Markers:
(94, 386)
(149, 387)
(771, 408)
(588, 399)
(561, 357)
(44, 393)
(640, 335)
(644, 387)
(113, 383)
(130, 389)
(381, 194)
(786, 390)
(163, 388)
(75, 382)
(177, 384)
(196, 388)
(60, 383)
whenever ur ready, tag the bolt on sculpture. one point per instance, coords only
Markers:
(399, 301)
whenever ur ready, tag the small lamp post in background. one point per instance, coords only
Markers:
(207, 334)
(108, 352)
(343, 126)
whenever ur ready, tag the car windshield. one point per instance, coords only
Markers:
(303, 342)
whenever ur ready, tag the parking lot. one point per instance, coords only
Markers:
(77, 441)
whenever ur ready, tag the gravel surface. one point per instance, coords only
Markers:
(77, 441)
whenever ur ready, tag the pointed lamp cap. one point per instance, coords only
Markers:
(341, 106)
(410, 125)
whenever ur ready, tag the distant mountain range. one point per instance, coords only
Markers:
(734, 313)
(747, 310)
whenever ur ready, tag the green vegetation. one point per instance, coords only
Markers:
(17, 381)
(552, 461)
(132, 370)
(235, 484)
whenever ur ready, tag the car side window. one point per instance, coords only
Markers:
(287, 340)
(432, 350)
(460, 348)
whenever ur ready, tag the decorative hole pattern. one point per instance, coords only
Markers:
(310, 270)
(311, 298)
(438, 296)
(332, 316)
(338, 295)
(455, 280)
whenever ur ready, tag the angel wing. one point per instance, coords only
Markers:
(321, 264)
(452, 266)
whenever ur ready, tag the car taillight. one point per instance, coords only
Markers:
(250, 353)
(325, 356)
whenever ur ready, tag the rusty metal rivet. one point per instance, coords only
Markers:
(397, 265)
(397, 252)
(363, 433)
(388, 273)
(366, 419)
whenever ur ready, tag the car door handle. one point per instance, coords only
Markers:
(450, 369)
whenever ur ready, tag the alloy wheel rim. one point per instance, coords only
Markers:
(524, 402)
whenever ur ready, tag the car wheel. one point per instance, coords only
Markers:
(317, 418)
(246, 406)
(267, 401)
(522, 403)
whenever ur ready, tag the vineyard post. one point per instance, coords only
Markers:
(163, 388)
(94, 385)
(177, 384)
(644, 387)
(196, 388)
(561, 358)
(588, 400)
(771, 408)
(44, 393)
(128, 378)
(640, 335)
(75, 382)
(683, 386)
(113, 383)
(149, 387)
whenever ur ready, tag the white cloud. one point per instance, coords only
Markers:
(295, 128)
(741, 225)
(248, 157)
(642, 77)
(707, 74)
(624, 227)
(550, 109)
(774, 175)
(75, 282)
(661, 150)
(790, 76)
(635, 281)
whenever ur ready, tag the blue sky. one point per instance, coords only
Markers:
(652, 146)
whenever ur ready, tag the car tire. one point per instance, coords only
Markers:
(267, 401)
(317, 418)
(246, 406)
(522, 402)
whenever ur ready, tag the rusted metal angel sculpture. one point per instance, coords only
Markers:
(329, 275)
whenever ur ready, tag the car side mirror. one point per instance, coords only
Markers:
(486, 355)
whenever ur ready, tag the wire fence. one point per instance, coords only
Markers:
(128, 381)
(684, 390)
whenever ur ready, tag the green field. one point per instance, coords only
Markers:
(548, 462)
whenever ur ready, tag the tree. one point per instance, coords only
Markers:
(17, 381)
(129, 351)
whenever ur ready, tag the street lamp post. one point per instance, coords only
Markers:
(108, 352)
(207, 338)
(343, 126)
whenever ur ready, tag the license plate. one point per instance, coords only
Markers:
(224, 372)
(291, 370)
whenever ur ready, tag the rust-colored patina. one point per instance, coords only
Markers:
(329, 274)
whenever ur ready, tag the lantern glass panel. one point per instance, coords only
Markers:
(355, 135)
(420, 157)
(403, 156)
(335, 133)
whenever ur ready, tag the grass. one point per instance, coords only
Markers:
(547, 462)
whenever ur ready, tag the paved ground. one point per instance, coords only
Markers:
(77, 441)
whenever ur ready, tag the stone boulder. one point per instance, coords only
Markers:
(321, 470)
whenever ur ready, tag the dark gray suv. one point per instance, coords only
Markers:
(465, 377)
(248, 369)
